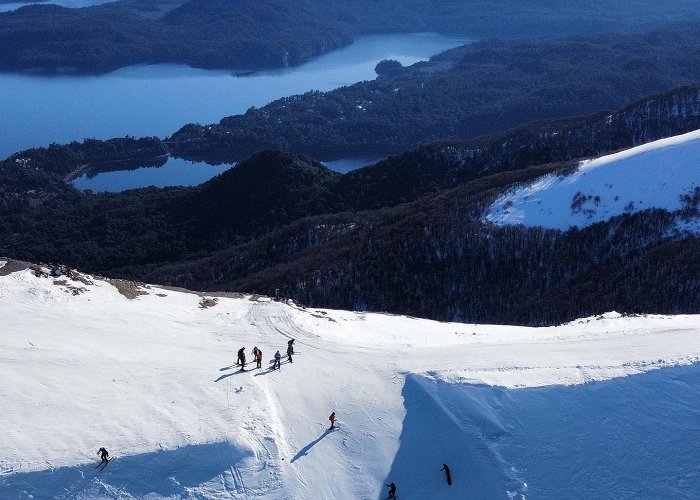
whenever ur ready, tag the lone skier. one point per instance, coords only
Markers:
(447, 474)
(104, 455)
(241, 358)
(290, 351)
(332, 419)
(392, 490)
(258, 357)
(277, 360)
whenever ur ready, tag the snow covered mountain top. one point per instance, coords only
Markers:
(153, 379)
(653, 175)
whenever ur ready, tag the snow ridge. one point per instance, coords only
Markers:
(653, 175)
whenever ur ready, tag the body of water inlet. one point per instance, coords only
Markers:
(176, 172)
(167, 172)
(37, 110)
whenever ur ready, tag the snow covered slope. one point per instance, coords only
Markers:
(654, 175)
(603, 407)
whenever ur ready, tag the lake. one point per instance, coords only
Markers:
(177, 172)
(37, 110)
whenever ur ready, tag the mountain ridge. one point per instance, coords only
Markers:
(349, 240)
(272, 33)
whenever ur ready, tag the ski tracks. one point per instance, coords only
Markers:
(267, 437)
(276, 319)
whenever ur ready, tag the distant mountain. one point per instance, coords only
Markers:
(405, 235)
(274, 33)
(435, 258)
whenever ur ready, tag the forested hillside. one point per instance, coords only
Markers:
(474, 90)
(249, 34)
(392, 236)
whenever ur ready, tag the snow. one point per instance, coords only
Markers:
(603, 407)
(653, 175)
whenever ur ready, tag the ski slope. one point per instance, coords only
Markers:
(653, 175)
(603, 407)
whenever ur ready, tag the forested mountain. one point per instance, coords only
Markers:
(434, 258)
(479, 89)
(404, 235)
(273, 33)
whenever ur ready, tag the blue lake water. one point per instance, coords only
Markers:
(175, 172)
(37, 110)
(178, 172)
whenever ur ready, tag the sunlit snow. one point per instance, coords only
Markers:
(603, 407)
(654, 175)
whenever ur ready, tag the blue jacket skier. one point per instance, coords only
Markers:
(277, 360)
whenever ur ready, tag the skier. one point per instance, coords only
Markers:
(277, 360)
(447, 474)
(255, 352)
(290, 343)
(332, 419)
(241, 358)
(258, 357)
(392, 490)
(290, 351)
(104, 455)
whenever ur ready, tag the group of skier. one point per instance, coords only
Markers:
(257, 355)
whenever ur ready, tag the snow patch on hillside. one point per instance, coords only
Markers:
(153, 379)
(654, 175)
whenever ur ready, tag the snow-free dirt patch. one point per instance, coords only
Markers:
(128, 289)
(12, 266)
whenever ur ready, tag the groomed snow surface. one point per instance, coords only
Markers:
(654, 175)
(604, 407)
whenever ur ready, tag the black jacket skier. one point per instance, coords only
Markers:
(447, 473)
(241, 357)
(290, 351)
(392, 490)
(104, 454)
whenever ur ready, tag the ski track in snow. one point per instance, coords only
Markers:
(154, 380)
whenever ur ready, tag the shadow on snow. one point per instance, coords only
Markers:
(631, 437)
(164, 473)
(305, 450)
